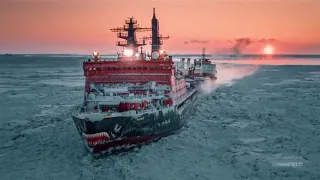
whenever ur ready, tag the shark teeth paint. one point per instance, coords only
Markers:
(94, 139)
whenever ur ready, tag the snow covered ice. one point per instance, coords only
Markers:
(257, 122)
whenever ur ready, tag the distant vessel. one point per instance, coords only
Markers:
(134, 99)
(200, 69)
(8, 54)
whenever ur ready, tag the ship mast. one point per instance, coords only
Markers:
(202, 59)
(203, 54)
(156, 38)
(128, 32)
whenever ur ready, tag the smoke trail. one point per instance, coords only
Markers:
(274, 62)
(242, 43)
(227, 74)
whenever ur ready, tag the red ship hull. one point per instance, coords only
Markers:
(125, 144)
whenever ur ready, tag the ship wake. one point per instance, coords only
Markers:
(227, 75)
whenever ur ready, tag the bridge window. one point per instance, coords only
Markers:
(144, 68)
(118, 68)
(109, 68)
(129, 68)
(139, 68)
(124, 68)
(134, 68)
(113, 68)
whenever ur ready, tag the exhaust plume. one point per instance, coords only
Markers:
(242, 43)
(196, 42)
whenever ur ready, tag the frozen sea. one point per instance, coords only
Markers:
(259, 121)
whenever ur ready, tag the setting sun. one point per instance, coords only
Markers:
(268, 50)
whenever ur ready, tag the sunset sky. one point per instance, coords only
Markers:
(81, 26)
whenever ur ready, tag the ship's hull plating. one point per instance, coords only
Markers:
(119, 133)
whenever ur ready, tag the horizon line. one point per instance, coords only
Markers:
(173, 54)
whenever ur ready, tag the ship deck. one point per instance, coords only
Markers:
(97, 115)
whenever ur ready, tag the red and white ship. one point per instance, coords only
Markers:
(134, 99)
